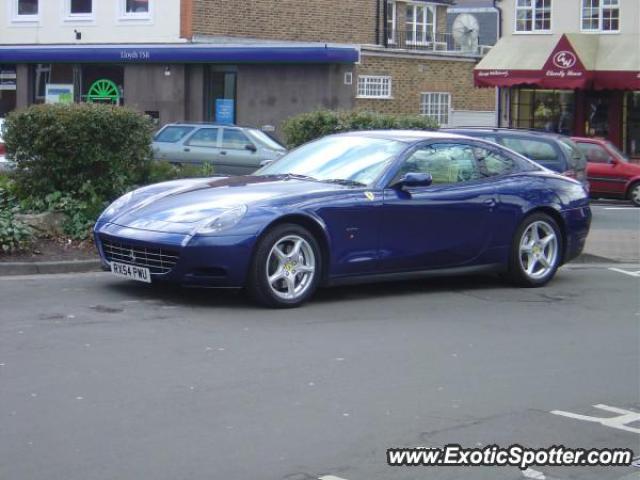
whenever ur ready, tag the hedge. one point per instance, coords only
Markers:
(78, 148)
(309, 126)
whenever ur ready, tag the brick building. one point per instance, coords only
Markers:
(176, 59)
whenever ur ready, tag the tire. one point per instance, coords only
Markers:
(535, 259)
(634, 194)
(280, 277)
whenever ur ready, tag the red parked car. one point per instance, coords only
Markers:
(609, 171)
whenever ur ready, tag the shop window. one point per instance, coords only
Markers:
(533, 15)
(632, 116)
(548, 110)
(436, 106)
(374, 86)
(601, 15)
(25, 10)
(420, 24)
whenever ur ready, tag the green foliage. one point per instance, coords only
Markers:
(310, 126)
(77, 148)
(159, 171)
(14, 235)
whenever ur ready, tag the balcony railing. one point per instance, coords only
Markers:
(429, 42)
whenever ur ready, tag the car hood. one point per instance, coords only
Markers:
(184, 207)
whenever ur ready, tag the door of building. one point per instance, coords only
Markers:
(219, 84)
(603, 115)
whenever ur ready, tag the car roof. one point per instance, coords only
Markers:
(207, 124)
(509, 131)
(407, 136)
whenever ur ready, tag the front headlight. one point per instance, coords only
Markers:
(225, 220)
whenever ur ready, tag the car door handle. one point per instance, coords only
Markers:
(187, 149)
(223, 153)
(490, 202)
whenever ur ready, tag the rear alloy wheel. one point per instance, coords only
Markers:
(286, 267)
(536, 251)
(634, 194)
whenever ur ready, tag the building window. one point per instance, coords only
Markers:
(420, 24)
(136, 9)
(374, 86)
(391, 21)
(437, 106)
(601, 15)
(25, 10)
(79, 10)
(533, 16)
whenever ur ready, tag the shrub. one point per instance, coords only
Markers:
(309, 126)
(14, 235)
(77, 148)
(160, 171)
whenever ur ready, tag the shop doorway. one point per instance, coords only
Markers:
(603, 115)
(220, 86)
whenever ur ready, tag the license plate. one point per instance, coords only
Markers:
(140, 274)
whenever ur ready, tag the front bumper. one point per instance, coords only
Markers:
(221, 261)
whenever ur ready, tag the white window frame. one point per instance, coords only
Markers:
(368, 84)
(16, 18)
(600, 14)
(79, 17)
(412, 26)
(123, 16)
(532, 9)
(392, 18)
(433, 109)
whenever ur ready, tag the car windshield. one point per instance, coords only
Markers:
(265, 139)
(577, 159)
(172, 134)
(621, 155)
(349, 158)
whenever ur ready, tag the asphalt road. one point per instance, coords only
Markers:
(104, 379)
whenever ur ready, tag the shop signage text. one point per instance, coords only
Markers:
(135, 55)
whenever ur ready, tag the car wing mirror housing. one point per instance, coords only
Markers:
(415, 179)
(251, 147)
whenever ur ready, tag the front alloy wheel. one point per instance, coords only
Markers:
(634, 194)
(536, 252)
(286, 267)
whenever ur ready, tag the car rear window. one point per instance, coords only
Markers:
(577, 159)
(536, 150)
(172, 134)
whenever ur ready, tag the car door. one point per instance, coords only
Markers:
(602, 170)
(447, 224)
(203, 147)
(238, 153)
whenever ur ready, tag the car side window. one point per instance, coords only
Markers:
(234, 139)
(492, 163)
(446, 163)
(205, 137)
(536, 150)
(172, 134)
(595, 153)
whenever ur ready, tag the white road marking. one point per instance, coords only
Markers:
(531, 473)
(330, 477)
(621, 422)
(635, 274)
(633, 209)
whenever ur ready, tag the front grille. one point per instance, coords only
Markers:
(157, 260)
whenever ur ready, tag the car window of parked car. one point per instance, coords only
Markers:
(595, 153)
(621, 155)
(172, 134)
(446, 163)
(492, 163)
(235, 139)
(266, 140)
(205, 137)
(536, 150)
(577, 160)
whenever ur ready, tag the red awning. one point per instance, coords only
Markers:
(563, 69)
(617, 80)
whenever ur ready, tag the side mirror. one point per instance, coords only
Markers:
(414, 179)
(251, 147)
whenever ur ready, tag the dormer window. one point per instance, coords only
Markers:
(533, 16)
(420, 24)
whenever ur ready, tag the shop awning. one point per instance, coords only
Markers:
(180, 53)
(549, 61)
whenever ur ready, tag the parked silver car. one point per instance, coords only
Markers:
(230, 149)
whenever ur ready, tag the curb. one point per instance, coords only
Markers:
(38, 268)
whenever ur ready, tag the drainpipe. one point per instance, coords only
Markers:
(377, 22)
(498, 96)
